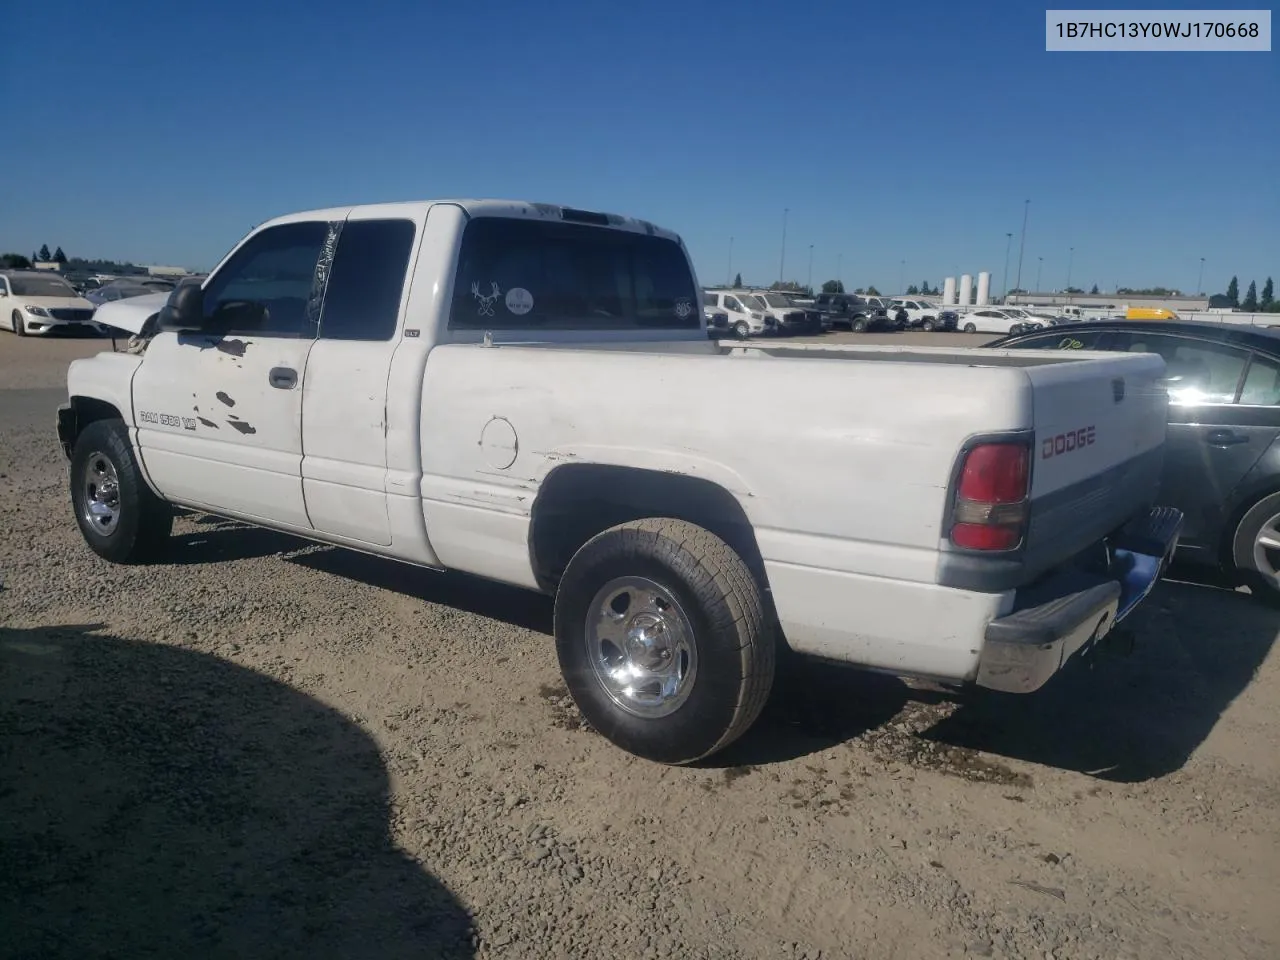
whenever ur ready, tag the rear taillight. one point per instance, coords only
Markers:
(991, 507)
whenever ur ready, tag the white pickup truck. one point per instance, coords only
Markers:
(519, 391)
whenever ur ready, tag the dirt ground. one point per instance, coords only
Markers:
(265, 748)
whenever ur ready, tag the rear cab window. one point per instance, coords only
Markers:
(549, 275)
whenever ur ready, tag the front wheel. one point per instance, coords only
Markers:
(970, 328)
(118, 515)
(858, 325)
(662, 639)
(927, 325)
(741, 330)
(19, 325)
(1255, 549)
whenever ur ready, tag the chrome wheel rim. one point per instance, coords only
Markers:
(101, 487)
(640, 644)
(1266, 550)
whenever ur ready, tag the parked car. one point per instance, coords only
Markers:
(990, 320)
(925, 314)
(850, 310)
(532, 426)
(35, 302)
(788, 318)
(1222, 455)
(746, 319)
(120, 290)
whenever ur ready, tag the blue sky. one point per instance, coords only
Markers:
(162, 132)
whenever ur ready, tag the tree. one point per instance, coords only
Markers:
(872, 291)
(1233, 292)
(913, 290)
(14, 261)
(833, 286)
(737, 281)
(45, 256)
(60, 257)
(1268, 296)
(1093, 292)
(860, 291)
(1250, 304)
(1074, 290)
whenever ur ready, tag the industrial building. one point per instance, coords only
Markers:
(1180, 304)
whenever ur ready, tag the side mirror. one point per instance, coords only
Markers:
(184, 311)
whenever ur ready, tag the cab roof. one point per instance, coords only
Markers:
(515, 209)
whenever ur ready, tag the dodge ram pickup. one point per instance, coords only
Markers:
(520, 391)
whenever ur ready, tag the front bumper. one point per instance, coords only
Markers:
(1072, 609)
(38, 326)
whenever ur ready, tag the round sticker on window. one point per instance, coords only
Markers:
(519, 301)
(683, 308)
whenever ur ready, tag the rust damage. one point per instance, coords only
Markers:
(233, 348)
(242, 426)
(224, 399)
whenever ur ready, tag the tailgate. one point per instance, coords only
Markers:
(1099, 436)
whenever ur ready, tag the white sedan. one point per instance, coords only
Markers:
(34, 302)
(1002, 320)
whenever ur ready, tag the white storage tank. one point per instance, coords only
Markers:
(949, 292)
(984, 288)
(966, 289)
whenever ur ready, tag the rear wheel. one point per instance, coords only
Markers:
(970, 328)
(662, 639)
(927, 325)
(1255, 550)
(19, 325)
(858, 325)
(118, 515)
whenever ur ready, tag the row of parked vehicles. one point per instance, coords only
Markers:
(38, 302)
(745, 313)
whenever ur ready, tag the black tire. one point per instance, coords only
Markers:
(19, 325)
(730, 661)
(741, 330)
(142, 522)
(970, 328)
(1262, 583)
(927, 325)
(858, 325)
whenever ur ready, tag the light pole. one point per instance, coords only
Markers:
(1022, 244)
(1200, 279)
(902, 275)
(1004, 277)
(1039, 267)
(728, 277)
(1071, 256)
(809, 283)
(840, 272)
(782, 262)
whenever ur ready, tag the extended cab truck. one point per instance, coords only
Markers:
(519, 391)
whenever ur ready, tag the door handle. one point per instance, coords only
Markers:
(1224, 438)
(283, 378)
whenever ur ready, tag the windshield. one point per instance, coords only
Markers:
(41, 287)
(776, 300)
(756, 302)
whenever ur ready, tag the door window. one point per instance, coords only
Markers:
(274, 284)
(1261, 383)
(362, 298)
(731, 303)
(1197, 371)
(1062, 340)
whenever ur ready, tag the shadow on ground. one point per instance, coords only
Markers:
(157, 802)
(1136, 717)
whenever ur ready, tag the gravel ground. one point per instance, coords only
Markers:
(269, 748)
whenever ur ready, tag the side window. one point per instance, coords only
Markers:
(1062, 340)
(711, 300)
(1261, 383)
(569, 276)
(272, 286)
(4, 286)
(362, 299)
(1197, 371)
